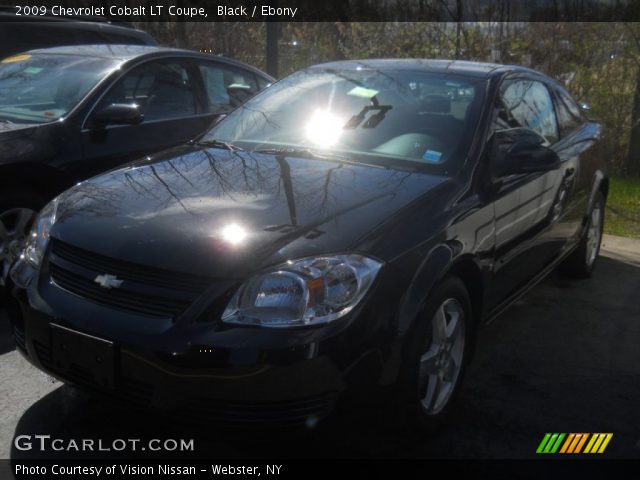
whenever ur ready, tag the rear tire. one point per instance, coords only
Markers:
(434, 362)
(582, 262)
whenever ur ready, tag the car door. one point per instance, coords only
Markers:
(524, 203)
(576, 149)
(169, 94)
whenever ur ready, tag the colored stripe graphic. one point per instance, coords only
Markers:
(567, 442)
(606, 442)
(543, 443)
(550, 443)
(577, 438)
(581, 443)
(573, 443)
(591, 442)
(555, 447)
(598, 442)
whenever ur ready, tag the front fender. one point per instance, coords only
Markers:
(435, 266)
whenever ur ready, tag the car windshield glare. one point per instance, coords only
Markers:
(41, 88)
(419, 118)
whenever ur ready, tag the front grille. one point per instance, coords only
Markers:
(145, 290)
(128, 271)
(116, 298)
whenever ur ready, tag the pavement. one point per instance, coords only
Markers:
(566, 358)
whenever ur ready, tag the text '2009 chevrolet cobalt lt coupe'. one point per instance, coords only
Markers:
(344, 232)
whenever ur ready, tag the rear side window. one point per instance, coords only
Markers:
(163, 90)
(227, 87)
(527, 103)
(569, 114)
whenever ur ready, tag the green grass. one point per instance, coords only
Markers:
(623, 208)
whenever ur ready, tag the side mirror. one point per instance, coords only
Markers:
(119, 114)
(519, 151)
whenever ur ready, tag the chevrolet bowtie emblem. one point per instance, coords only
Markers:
(108, 281)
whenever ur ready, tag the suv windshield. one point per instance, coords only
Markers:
(42, 88)
(416, 118)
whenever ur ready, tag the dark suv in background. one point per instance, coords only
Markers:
(22, 33)
(68, 113)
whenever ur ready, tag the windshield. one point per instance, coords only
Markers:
(417, 118)
(42, 88)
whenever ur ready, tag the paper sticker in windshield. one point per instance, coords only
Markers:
(432, 156)
(16, 58)
(32, 70)
(363, 92)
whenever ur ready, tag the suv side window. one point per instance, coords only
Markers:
(263, 83)
(226, 86)
(164, 90)
(527, 103)
(569, 114)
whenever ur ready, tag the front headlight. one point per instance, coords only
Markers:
(39, 235)
(303, 292)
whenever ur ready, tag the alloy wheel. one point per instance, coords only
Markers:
(594, 235)
(441, 364)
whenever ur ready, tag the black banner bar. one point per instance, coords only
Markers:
(315, 468)
(329, 10)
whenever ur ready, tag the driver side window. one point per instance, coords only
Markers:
(163, 90)
(527, 103)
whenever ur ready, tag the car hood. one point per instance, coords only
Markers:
(19, 141)
(11, 130)
(222, 214)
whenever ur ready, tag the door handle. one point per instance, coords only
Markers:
(569, 172)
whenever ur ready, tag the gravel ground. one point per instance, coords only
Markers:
(566, 358)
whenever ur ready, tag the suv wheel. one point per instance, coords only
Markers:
(17, 212)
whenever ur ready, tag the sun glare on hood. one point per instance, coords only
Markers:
(234, 234)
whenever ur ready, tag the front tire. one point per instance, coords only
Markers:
(435, 360)
(582, 262)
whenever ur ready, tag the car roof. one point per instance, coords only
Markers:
(114, 51)
(7, 14)
(126, 53)
(462, 67)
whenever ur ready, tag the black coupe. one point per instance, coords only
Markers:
(343, 233)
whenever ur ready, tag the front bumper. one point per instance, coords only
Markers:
(238, 376)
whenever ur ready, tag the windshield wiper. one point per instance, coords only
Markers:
(303, 152)
(314, 154)
(219, 144)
